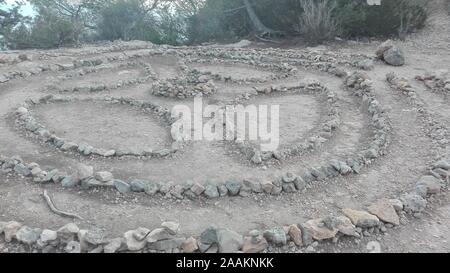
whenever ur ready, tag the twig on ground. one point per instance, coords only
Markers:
(52, 207)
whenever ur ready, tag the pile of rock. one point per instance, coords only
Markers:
(26, 121)
(190, 85)
(437, 82)
(390, 53)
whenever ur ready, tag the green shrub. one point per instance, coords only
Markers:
(126, 20)
(392, 18)
(45, 31)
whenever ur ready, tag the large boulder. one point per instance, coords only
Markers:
(385, 46)
(394, 56)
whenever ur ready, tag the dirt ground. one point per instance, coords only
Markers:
(118, 126)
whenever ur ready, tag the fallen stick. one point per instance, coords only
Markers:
(52, 207)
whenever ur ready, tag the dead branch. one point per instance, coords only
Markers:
(52, 207)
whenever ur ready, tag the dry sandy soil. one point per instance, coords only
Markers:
(110, 126)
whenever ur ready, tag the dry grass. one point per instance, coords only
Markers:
(316, 22)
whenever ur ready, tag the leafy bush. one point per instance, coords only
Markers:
(126, 20)
(392, 18)
(45, 31)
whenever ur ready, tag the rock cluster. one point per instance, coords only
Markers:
(185, 86)
(26, 121)
(390, 53)
(148, 74)
(437, 81)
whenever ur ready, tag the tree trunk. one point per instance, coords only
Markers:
(257, 24)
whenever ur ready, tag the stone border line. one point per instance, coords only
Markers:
(380, 216)
(279, 71)
(328, 127)
(359, 84)
(116, 47)
(27, 122)
(148, 75)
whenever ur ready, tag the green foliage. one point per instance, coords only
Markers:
(392, 18)
(218, 20)
(125, 20)
(46, 31)
(67, 22)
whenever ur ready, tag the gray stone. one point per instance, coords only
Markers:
(69, 182)
(229, 241)
(163, 152)
(93, 183)
(138, 185)
(190, 245)
(254, 185)
(73, 247)
(95, 237)
(50, 175)
(22, 170)
(384, 210)
(289, 187)
(413, 203)
(361, 219)
(48, 235)
(177, 191)
(104, 176)
(198, 189)
(366, 64)
(299, 183)
(254, 245)
(166, 245)
(171, 227)
(36, 171)
(267, 186)
(135, 240)
(152, 188)
(211, 191)
(319, 230)
(223, 191)
(276, 236)
(256, 158)
(431, 184)
(344, 169)
(165, 187)
(122, 186)
(158, 235)
(319, 175)
(27, 235)
(69, 146)
(394, 56)
(84, 172)
(289, 178)
(2, 226)
(68, 232)
(385, 46)
(113, 246)
(443, 164)
(10, 229)
(209, 236)
(233, 187)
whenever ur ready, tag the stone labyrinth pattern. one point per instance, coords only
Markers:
(103, 114)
